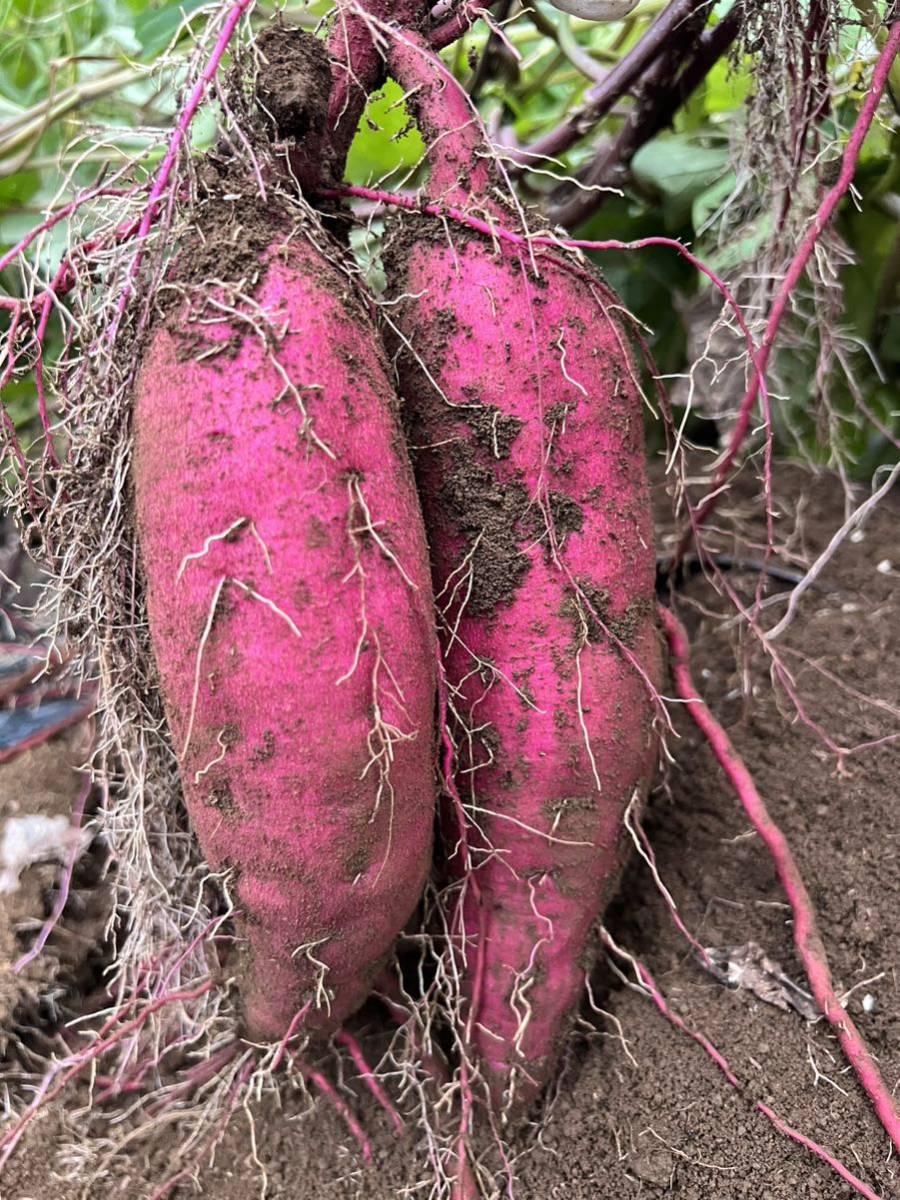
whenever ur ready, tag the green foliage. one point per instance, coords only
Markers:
(155, 28)
(387, 144)
(681, 171)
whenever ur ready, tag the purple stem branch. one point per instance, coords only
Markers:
(599, 99)
(663, 91)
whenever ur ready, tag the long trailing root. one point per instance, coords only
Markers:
(650, 987)
(807, 939)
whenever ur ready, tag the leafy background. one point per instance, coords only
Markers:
(85, 86)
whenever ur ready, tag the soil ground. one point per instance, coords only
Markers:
(660, 1119)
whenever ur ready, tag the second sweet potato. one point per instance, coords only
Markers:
(527, 423)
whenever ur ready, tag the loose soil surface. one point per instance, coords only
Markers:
(640, 1110)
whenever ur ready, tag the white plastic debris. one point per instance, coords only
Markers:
(868, 1003)
(749, 967)
(596, 10)
(36, 838)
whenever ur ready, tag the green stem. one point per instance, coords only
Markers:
(33, 121)
(874, 21)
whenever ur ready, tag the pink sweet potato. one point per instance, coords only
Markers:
(291, 616)
(527, 423)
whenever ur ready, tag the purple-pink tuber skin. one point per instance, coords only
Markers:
(530, 463)
(292, 629)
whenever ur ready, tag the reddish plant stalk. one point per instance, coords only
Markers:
(807, 939)
(55, 218)
(455, 26)
(492, 230)
(179, 134)
(368, 1077)
(289, 1034)
(341, 1108)
(792, 278)
(157, 190)
(600, 98)
(665, 86)
(62, 282)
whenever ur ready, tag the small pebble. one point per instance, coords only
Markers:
(885, 566)
(653, 1166)
(868, 1003)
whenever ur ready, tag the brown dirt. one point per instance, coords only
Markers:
(491, 516)
(292, 89)
(294, 80)
(670, 1125)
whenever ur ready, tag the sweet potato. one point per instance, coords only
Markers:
(527, 423)
(291, 614)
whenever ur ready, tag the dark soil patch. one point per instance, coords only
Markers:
(666, 1123)
(492, 428)
(294, 81)
(489, 513)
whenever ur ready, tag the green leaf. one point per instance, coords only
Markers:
(711, 199)
(204, 127)
(871, 235)
(679, 169)
(727, 88)
(889, 346)
(20, 402)
(16, 224)
(386, 140)
(17, 189)
(155, 29)
(733, 254)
